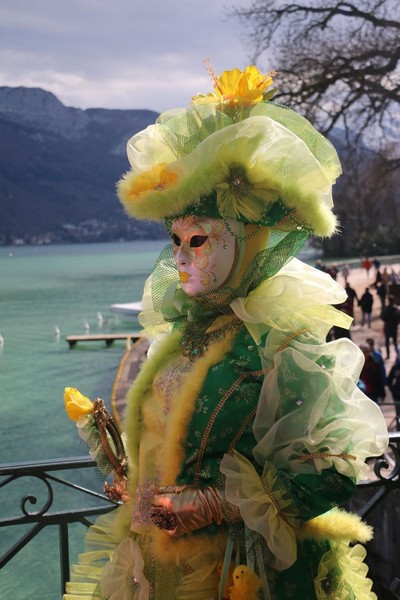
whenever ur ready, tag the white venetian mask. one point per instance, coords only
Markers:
(204, 252)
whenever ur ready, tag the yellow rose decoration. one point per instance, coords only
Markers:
(238, 87)
(76, 404)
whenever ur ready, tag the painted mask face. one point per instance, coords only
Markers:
(204, 252)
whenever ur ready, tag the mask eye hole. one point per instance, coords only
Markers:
(176, 239)
(196, 241)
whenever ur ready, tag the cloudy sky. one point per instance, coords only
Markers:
(120, 53)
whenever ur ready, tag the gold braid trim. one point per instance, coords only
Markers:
(216, 411)
(241, 431)
(291, 337)
(211, 422)
(342, 455)
(270, 495)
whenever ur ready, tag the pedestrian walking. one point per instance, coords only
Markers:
(345, 271)
(381, 292)
(377, 263)
(390, 317)
(378, 358)
(366, 264)
(348, 304)
(371, 376)
(366, 302)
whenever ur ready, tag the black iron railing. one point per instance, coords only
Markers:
(47, 504)
(386, 469)
(386, 478)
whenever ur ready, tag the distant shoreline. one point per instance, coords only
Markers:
(306, 256)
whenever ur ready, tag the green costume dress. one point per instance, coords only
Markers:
(267, 413)
(240, 392)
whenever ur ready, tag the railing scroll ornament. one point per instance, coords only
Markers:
(54, 507)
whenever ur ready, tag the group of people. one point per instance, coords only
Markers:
(389, 311)
(374, 377)
(389, 315)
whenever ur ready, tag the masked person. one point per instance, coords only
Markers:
(245, 429)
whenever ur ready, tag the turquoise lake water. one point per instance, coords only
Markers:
(40, 288)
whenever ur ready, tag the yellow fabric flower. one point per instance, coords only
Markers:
(237, 87)
(238, 196)
(156, 178)
(76, 404)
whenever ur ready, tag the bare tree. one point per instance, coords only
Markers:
(366, 204)
(337, 60)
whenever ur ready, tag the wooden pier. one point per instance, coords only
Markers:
(108, 338)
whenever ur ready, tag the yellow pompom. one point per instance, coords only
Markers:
(246, 584)
(336, 524)
(76, 404)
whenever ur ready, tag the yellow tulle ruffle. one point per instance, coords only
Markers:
(263, 506)
(342, 574)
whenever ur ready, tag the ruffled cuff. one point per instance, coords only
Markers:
(264, 506)
(342, 574)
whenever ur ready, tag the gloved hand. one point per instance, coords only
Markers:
(118, 491)
(181, 509)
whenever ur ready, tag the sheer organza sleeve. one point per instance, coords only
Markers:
(311, 415)
(314, 428)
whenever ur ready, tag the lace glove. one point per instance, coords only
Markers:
(181, 509)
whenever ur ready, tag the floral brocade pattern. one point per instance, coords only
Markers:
(227, 401)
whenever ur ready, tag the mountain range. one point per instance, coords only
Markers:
(59, 166)
(58, 169)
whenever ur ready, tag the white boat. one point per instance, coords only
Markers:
(127, 311)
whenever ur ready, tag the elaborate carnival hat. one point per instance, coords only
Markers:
(233, 154)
